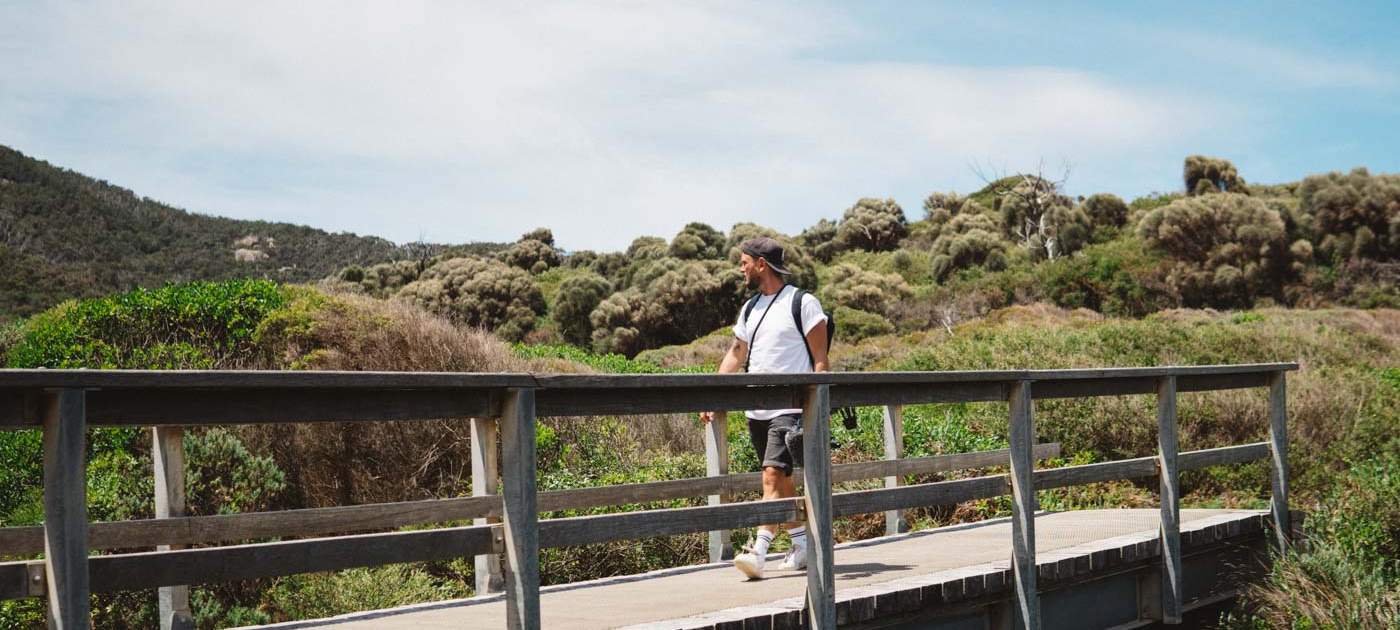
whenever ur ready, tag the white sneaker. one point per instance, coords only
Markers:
(749, 564)
(795, 560)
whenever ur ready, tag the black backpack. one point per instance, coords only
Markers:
(848, 414)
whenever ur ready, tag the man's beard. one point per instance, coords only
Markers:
(752, 282)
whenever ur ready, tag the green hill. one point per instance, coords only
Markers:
(64, 235)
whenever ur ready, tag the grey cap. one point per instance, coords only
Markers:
(770, 250)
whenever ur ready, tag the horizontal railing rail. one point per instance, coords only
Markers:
(508, 531)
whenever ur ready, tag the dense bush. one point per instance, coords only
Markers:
(942, 206)
(971, 239)
(1106, 209)
(872, 224)
(672, 302)
(1121, 278)
(534, 252)
(855, 324)
(1204, 175)
(574, 302)
(1227, 248)
(479, 292)
(820, 239)
(385, 279)
(1357, 214)
(860, 289)
(699, 241)
(647, 248)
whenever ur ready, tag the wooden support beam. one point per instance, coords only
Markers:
(1023, 505)
(485, 467)
(522, 532)
(65, 509)
(816, 473)
(894, 450)
(168, 460)
(1172, 581)
(717, 465)
(1278, 442)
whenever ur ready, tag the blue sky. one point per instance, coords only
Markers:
(455, 122)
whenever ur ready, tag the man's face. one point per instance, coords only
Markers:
(752, 268)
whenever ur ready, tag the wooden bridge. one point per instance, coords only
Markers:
(1107, 568)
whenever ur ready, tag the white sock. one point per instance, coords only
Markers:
(761, 542)
(799, 537)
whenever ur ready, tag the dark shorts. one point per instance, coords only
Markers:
(767, 439)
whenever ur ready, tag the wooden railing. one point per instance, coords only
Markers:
(507, 533)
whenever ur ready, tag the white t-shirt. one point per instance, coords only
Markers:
(775, 345)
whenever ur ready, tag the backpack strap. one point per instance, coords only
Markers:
(797, 319)
(748, 308)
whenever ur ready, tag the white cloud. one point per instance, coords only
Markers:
(479, 122)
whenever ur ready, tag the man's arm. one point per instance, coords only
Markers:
(817, 341)
(733, 361)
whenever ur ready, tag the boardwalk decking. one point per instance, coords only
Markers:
(884, 569)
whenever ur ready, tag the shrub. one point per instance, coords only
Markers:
(968, 240)
(857, 288)
(223, 477)
(1119, 278)
(854, 325)
(575, 300)
(1106, 209)
(1227, 248)
(1205, 175)
(479, 292)
(647, 248)
(698, 241)
(533, 252)
(672, 302)
(385, 279)
(820, 239)
(1358, 214)
(873, 225)
(949, 203)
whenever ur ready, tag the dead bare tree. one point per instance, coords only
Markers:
(1032, 196)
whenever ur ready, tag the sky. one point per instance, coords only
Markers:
(456, 122)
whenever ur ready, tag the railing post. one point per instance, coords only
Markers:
(522, 533)
(1171, 500)
(816, 475)
(1278, 446)
(717, 465)
(168, 459)
(65, 509)
(894, 449)
(485, 465)
(1023, 504)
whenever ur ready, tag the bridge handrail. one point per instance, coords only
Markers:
(65, 401)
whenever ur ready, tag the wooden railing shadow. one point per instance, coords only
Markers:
(507, 533)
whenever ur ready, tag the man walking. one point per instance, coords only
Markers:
(767, 339)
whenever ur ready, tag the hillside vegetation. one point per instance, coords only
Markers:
(65, 235)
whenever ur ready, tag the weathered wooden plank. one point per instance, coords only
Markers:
(15, 579)
(1213, 382)
(717, 465)
(1278, 446)
(1170, 531)
(664, 399)
(1135, 468)
(190, 530)
(933, 464)
(816, 473)
(893, 434)
(1194, 460)
(1023, 504)
(485, 466)
(902, 393)
(1085, 387)
(184, 406)
(153, 569)
(65, 509)
(254, 379)
(586, 530)
(921, 495)
(521, 526)
(20, 408)
(168, 462)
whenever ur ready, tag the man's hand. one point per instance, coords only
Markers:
(707, 416)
